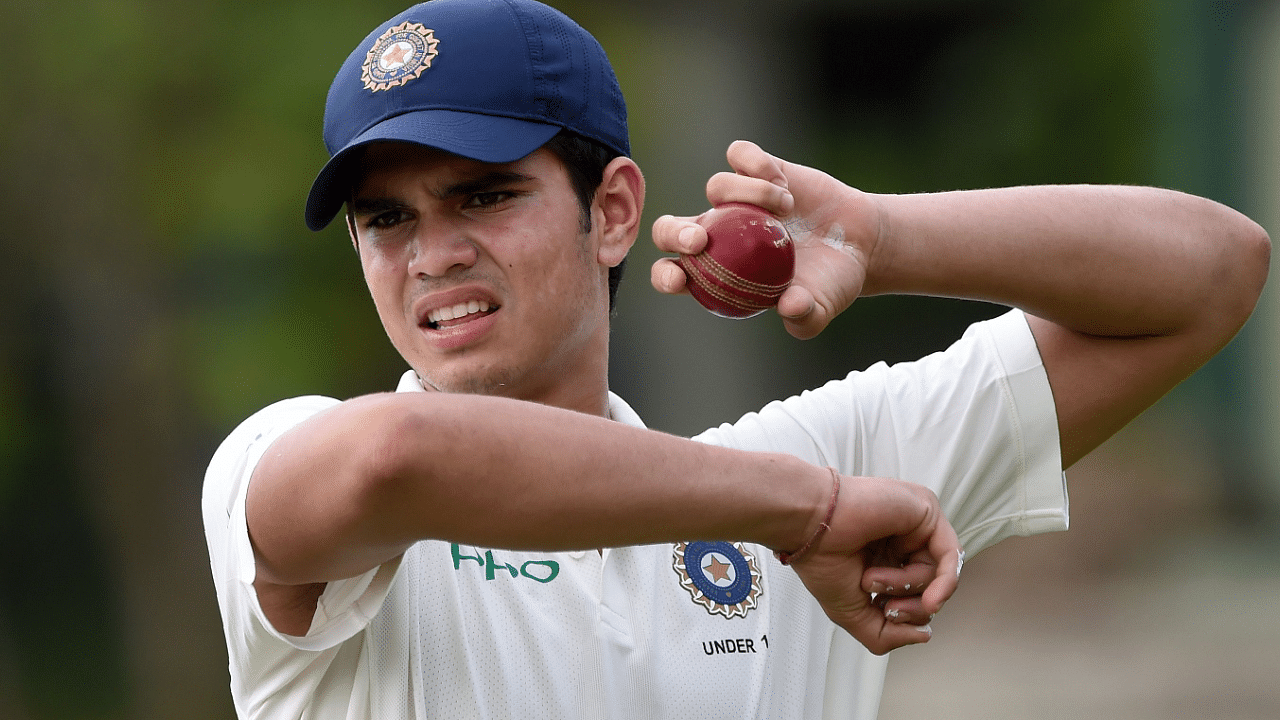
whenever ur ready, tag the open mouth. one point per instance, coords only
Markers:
(453, 315)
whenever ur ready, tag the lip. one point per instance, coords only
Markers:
(456, 336)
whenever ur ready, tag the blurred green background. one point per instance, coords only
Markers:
(158, 286)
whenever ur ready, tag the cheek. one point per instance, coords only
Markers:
(563, 277)
(558, 251)
(384, 278)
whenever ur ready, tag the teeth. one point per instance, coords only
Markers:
(457, 311)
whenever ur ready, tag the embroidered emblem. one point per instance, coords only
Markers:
(402, 54)
(722, 577)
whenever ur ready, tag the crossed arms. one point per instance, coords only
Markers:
(1128, 290)
(545, 478)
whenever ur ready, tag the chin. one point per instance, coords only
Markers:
(493, 382)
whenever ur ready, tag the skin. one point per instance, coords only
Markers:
(434, 230)
(1129, 289)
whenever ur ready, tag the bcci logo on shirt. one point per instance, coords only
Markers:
(402, 54)
(722, 577)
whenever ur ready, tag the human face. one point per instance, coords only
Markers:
(482, 274)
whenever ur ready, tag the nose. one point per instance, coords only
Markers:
(441, 251)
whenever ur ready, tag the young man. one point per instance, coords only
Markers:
(502, 538)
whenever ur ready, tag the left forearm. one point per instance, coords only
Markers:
(1111, 261)
(1128, 290)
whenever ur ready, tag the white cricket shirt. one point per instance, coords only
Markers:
(706, 630)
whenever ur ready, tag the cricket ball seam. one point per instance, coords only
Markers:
(707, 285)
(728, 277)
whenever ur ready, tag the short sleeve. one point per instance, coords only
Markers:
(345, 607)
(975, 423)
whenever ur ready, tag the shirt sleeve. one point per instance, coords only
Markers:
(345, 607)
(975, 423)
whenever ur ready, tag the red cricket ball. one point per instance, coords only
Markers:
(748, 262)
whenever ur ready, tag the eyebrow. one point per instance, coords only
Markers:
(372, 206)
(487, 182)
(483, 183)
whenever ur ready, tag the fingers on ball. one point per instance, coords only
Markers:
(728, 187)
(678, 235)
(666, 276)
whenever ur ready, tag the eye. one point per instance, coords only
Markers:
(388, 219)
(489, 199)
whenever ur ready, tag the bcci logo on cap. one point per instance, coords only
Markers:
(402, 54)
(722, 577)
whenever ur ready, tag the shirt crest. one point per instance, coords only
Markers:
(722, 577)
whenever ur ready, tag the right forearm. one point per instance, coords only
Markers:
(501, 473)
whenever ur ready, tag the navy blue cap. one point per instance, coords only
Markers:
(491, 80)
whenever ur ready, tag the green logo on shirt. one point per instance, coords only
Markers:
(544, 571)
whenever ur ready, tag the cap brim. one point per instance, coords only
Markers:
(487, 138)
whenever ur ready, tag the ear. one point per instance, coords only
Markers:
(616, 210)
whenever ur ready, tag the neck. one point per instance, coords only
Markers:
(589, 396)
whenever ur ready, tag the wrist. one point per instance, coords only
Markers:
(881, 251)
(787, 557)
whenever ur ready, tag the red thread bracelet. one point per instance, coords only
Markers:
(786, 558)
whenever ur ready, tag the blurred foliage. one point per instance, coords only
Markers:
(944, 96)
(994, 93)
(159, 285)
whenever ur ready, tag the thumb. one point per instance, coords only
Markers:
(801, 314)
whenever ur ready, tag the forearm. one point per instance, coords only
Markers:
(1113, 261)
(354, 487)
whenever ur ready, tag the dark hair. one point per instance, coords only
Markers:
(585, 161)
